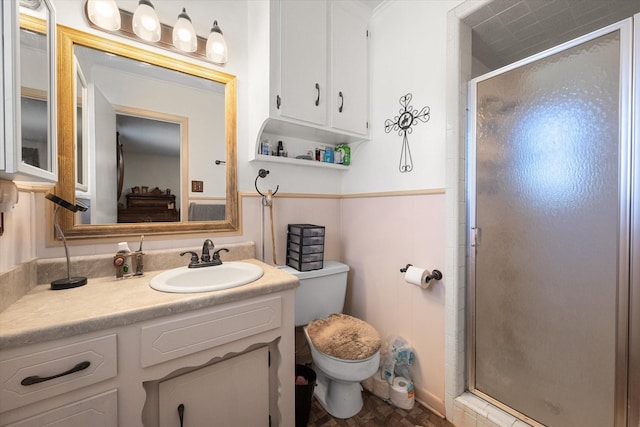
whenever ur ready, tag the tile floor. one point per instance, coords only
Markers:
(378, 413)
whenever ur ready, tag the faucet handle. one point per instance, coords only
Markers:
(194, 257)
(216, 254)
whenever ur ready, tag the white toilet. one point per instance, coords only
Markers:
(319, 300)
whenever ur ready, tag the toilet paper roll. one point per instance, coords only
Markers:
(417, 276)
(381, 387)
(402, 394)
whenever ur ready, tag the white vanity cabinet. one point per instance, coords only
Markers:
(219, 363)
(28, 147)
(231, 360)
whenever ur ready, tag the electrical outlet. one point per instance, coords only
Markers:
(197, 186)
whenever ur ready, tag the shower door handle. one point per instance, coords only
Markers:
(474, 238)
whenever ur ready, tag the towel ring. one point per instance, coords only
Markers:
(261, 174)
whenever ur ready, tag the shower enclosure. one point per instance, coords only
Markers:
(554, 240)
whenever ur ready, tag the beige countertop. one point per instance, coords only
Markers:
(43, 314)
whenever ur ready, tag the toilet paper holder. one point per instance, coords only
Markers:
(435, 274)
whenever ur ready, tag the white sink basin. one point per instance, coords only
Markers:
(204, 279)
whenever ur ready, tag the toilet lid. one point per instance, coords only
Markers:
(344, 337)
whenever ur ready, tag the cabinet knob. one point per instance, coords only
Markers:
(341, 101)
(318, 97)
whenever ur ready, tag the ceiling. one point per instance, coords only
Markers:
(504, 31)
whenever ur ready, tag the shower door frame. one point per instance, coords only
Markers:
(629, 221)
(634, 296)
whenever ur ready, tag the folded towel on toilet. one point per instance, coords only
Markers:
(344, 337)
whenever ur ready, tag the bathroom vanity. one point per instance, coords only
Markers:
(119, 353)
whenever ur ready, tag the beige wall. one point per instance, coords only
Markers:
(380, 236)
(17, 244)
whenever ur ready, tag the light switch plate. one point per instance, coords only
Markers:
(197, 186)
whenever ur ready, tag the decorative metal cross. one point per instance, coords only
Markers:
(408, 117)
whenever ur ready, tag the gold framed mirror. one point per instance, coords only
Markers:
(199, 168)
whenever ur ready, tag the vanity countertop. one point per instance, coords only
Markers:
(43, 314)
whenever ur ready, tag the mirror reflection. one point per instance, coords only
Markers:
(146, 119)
(34, 91)
(81, 141)
(147, 131)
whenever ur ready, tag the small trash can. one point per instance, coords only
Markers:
(304, 394)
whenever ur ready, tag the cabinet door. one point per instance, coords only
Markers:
(349, 68)
(303, 41)
(29, 95)
(234, 392)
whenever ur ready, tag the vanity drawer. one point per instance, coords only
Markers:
(190, 333)
(30, 376)
(100, 410)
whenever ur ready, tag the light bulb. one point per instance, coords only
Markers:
(104, 14)
(146, 24)
(216, 45)
(184, 35)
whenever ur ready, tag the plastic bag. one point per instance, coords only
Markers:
(397, 357)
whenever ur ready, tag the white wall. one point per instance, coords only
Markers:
(408, 51)
(383, 233)
(18, 243)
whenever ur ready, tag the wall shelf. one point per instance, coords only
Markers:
(299, 162)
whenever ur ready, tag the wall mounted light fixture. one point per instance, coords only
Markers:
(144, 25)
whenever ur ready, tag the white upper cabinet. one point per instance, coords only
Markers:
(309, 67)
(349, 64)
(28, 149)
(303, 79)
(324, 64)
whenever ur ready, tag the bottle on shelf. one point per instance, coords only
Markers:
(265, 146)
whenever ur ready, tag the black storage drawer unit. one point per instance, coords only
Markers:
(305, 246)
(304, 266)
(306, 230)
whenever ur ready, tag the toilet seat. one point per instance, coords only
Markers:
(344, 337)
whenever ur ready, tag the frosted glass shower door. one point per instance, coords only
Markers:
(549, 247)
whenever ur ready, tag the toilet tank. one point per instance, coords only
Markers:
(321, 292)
